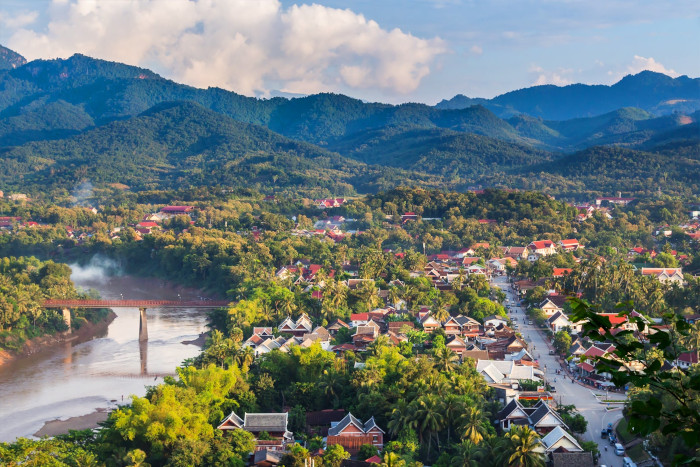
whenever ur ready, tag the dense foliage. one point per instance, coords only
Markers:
(24, 284)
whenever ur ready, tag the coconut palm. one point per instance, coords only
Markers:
(445, 359)
(429, 417)
(467, 454)
(472, 427)
(522, 448)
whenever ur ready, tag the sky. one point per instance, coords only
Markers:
(378, 50)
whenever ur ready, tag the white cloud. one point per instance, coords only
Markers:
(250, 47)
(19, 20)
(476, 50)
(561, 77)
(643, 63)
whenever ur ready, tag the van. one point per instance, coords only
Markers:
(619, 449)
(627, 462)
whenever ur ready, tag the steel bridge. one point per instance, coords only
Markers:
(66, 304)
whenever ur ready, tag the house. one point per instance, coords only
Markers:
(469, 327)
(502, 371)
(559, 321)
(336, 326)
(427, 321)
(541, 417)
(358, 319)
(274, 424)
(296, 328)
(456, 344)
(613, 200)
(351, 433)
(177, 210)
(558, 439)
(570, 244)
(561, 272)
(494, 320)
(542, 248)
(665, 275)
(515, 252)
(572, 459)
(549, 307)
(686, 360)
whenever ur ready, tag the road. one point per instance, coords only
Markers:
(566, 393)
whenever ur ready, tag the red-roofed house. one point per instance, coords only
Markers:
(542, 247)
(569, 244)
(686, 360)
(561, 272)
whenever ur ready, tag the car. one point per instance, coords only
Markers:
(619, 449)
(551, 352)
(552, 388)
(530, 322)
(604, 434)
(627, 462)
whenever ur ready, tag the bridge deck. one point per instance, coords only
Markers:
(75, 303)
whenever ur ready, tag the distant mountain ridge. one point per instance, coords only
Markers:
(654, 92)
(56, 117)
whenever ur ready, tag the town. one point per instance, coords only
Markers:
(502, 314)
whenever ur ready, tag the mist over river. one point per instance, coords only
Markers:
(74, 379)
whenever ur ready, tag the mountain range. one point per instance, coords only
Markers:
(65, 120)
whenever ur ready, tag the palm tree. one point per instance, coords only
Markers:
(441, 314)
(391, 459)
(394, 296)
(400, 417)
(467, 454)
(522, 448)
(382, 341)
(329, 385)
(445, 359)
(429, 417)
(472, 425)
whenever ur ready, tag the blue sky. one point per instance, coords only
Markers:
(384, 50)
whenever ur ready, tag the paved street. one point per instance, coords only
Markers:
(566, 392)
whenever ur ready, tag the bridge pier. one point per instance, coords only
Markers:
(143, 325)
(66, 317)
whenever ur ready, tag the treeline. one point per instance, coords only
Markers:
(24, 284)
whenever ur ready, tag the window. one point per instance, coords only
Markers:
(375, 438)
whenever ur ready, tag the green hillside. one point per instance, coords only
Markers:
(184, 144)
(438, 151)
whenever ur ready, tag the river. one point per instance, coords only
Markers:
(76, 378)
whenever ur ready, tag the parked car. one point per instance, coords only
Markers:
(627, 462)
(619, 449)
(604, 434)
(530, 322)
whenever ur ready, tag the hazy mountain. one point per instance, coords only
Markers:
(647, 90)
(10, 59)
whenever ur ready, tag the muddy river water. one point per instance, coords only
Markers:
(75, 378)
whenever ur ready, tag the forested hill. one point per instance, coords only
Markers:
(62, 121)
(10, 59)
(98, 91)
(183, 144)
(648, 90)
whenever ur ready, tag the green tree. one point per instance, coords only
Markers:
(521, 448)
(335, 455)
(562, 342)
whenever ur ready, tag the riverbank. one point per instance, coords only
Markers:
(83, 422)
(38, 344)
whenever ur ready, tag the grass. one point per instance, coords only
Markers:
(637, 453)
(622, 433)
